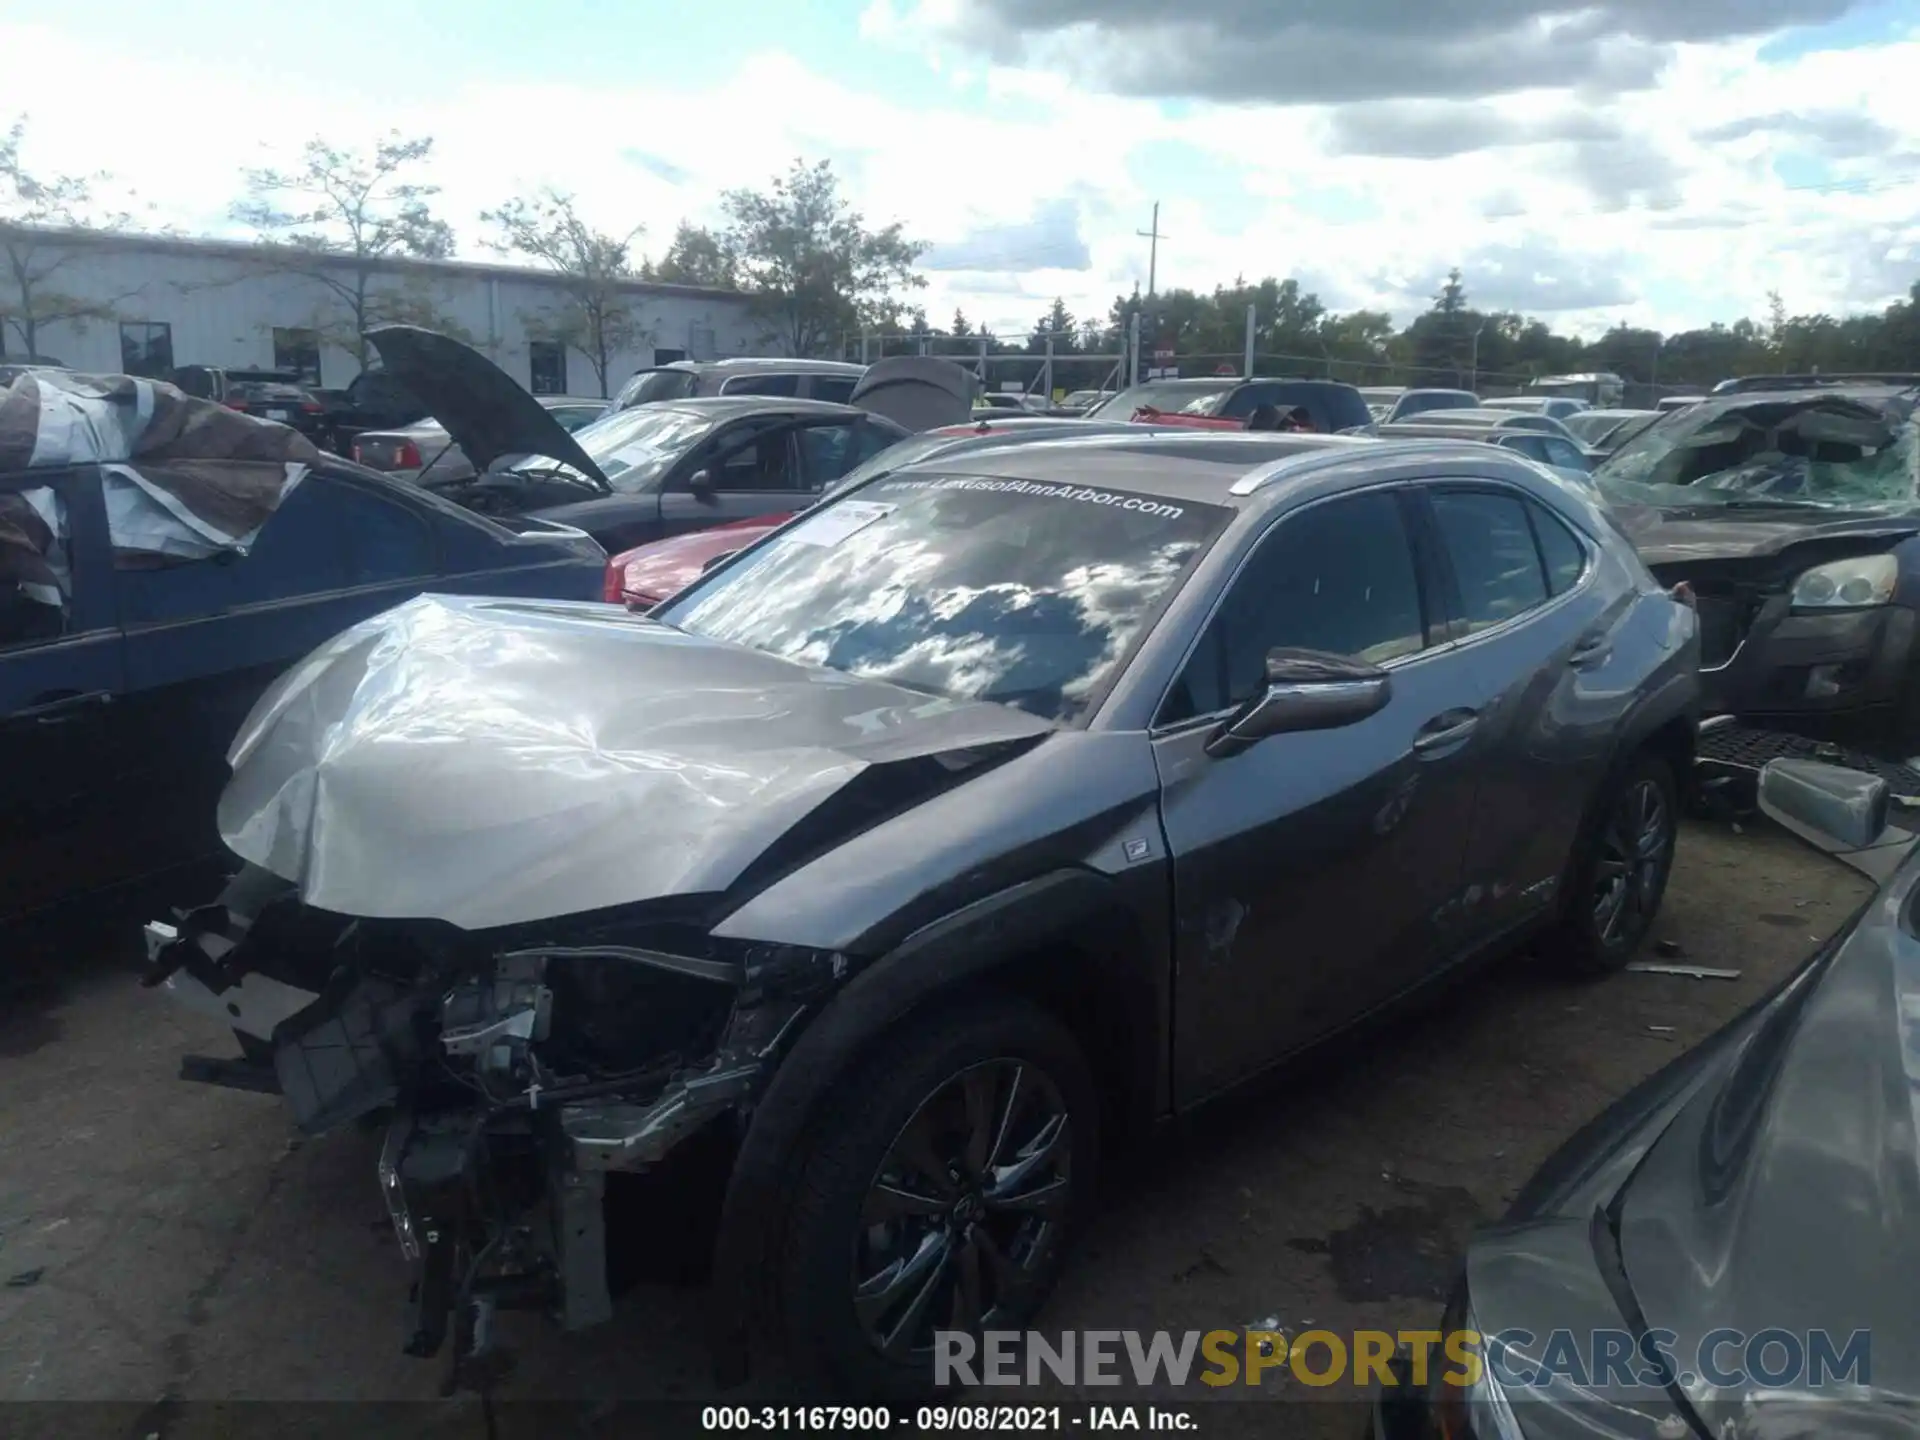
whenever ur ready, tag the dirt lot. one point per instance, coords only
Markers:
(171, 1243)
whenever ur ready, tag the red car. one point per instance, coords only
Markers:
(648, 574)
(644, 576)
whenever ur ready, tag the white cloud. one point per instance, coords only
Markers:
(991, 150)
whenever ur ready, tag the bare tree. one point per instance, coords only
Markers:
(339, 219)
(595, 271)
(30, 207)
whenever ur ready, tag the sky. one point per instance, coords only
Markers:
(1655, 162)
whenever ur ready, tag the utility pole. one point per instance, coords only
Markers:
(1153, 251)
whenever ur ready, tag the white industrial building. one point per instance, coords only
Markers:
(173, 302)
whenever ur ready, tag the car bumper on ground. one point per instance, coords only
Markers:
(1842, 674)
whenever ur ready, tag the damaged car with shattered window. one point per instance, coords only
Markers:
(1792, 510)
(962, 832)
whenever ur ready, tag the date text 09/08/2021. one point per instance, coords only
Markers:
(936, 1419)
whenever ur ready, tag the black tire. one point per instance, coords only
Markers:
(912, 1094)
(1619, 877)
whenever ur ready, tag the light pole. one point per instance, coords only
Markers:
(1473, 359)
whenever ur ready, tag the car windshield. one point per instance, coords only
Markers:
(633, 448)
(902, 452)
(1832, 450)
(1169, 396)
(1593, 425)
(970, 587)
(651, 385)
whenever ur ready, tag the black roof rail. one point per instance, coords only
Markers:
(1745, 384)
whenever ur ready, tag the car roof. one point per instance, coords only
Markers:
(731, 407)
(1232, 468)
(1437, 390)
(754, 364)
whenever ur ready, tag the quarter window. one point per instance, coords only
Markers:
(1495, 564)
(781, 385)
(1339, 577)
(1565, 558)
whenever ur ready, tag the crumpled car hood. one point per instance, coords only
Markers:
(493, 762)
(1666, 536)
(1788, 1194)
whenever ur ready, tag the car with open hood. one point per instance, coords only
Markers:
(1728, 1250)
(646, 575)
(668, 466)
(425, 445)
(163, 558)
(999, 808)
(1794, 515)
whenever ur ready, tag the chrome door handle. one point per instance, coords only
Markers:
(1458, 729)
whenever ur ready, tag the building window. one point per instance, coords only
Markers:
(146, 348)
(298, 351)
(667, 357)
(547, 364)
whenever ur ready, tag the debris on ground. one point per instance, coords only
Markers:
(1672, 949)
(1692, 972)
(25, 1278)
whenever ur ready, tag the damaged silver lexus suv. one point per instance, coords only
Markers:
(979, 818)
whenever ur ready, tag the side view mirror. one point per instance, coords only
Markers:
(1839, 811)
(1306, 690)
(701, 484)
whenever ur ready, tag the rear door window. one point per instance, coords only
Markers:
(36, 574)
(1496, 566)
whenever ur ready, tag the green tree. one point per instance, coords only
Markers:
(598, 316)
(339, 219)
(808, 258)
(31, 206)
(697, 256)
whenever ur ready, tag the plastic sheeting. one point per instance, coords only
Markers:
(184, 478)
(488, 762)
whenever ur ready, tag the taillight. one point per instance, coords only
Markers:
(357, 459)
(613, 589)
(406, 456)
(239, 405)
(311, 407)
(1683, 592)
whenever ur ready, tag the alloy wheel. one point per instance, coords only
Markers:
(966, 1210)
(1633, 858)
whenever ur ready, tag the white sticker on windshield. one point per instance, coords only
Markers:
(631, 455)
(837, 522)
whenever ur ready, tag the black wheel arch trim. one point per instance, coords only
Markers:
(1068, 907)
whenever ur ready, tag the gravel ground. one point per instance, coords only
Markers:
(168, 1244)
